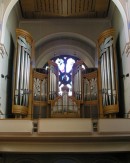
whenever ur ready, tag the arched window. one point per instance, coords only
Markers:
(65, 65)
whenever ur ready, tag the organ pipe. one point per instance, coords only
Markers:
(102, 79)
(105, 79)
(108, 76)
(113, 77)
(22, 76)
(17, 74)
(25, 79)
(53, 80)
(77, 80)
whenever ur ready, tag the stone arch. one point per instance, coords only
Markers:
(64, 34)
(44, 57)
(9, 7)
(57, 44)
(119, 5)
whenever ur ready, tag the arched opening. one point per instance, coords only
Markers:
(65, 43)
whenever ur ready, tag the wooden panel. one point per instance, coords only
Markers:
(77, 7)
(51, 6)
(65, 126)
(69, 11)
(16, 127)
(114, 126)
(82, 6)
(60, 9)
(104, 4)
(73, 6)
(64, 8)
(47, 5)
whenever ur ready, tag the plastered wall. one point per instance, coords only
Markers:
(124, 64)
(4, 61)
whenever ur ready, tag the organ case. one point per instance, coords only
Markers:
(22, 74)
(108, 89)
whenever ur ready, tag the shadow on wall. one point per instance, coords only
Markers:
(9, 80)
(121, 113)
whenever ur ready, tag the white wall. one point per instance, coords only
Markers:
(128, 14)
(12, 23)
(118, 24)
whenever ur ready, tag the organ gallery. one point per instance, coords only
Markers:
(69, 91)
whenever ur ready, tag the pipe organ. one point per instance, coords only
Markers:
(37, 95)
(22, 73)
(107, 73)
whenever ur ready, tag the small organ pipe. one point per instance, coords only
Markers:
(52, 85)
(80, 82)
(113, 76)
(50, 80)
(77, 85)
(25, 79)
(105, 80)
(22, 75)
(108, 76)
(27, 72)
(27, 76)
(54, 91)
(102, 79)
(17, 74)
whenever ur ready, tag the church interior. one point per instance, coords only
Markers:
(64, 81)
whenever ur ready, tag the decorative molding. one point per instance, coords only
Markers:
(127, 49)
(2, 50)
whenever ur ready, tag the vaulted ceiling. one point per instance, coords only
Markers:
(39, 9)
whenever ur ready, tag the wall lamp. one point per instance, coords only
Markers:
(5, 76)
(123, 76)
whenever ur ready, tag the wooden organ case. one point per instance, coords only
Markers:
(107, 69)
(22, 74)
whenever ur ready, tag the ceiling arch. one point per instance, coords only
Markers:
(64, 34)
(65, 43)
(64, 50)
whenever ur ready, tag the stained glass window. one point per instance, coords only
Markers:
(65, 64)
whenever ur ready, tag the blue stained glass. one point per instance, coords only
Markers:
(65, 64)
